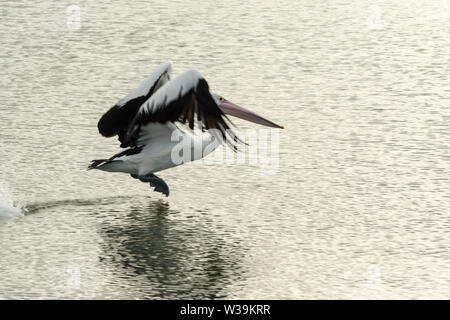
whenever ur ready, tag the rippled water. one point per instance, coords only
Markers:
(359, 206)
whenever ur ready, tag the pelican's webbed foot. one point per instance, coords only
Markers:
(155, 181)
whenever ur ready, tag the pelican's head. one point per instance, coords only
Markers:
(234, 110)
(218, 99)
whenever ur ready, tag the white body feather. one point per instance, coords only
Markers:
(156, 155)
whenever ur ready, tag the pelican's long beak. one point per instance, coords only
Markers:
(234, 110)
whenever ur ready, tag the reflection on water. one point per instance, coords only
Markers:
(116, 243)
(178, 258)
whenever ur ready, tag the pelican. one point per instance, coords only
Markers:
(145, 123)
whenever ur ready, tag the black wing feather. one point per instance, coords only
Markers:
(117, 119)
(197, 101)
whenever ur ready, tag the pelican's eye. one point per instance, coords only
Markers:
(221, 99)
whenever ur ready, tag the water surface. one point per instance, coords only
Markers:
(359, 205)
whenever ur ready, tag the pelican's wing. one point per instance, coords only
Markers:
(117, 119)
(180, 100)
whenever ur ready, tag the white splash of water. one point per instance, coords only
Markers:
(8, 208)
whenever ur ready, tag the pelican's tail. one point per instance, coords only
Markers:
(111, 165)
(96, 163)
(117, 163)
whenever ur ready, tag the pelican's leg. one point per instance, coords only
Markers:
(155, 181)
